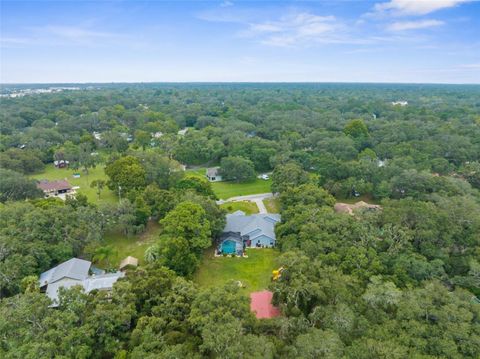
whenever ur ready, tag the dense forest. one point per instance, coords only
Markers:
(399, 282)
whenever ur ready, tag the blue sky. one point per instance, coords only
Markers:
(434, 41)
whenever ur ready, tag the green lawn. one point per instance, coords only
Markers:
(245, 206)
(51, 173)
(254, 272)
(366, 198)
(134, 246)
(225, 190)
(272, 205)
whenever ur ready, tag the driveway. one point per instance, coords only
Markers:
(257, 198)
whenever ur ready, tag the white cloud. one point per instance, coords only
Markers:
(294, 29)
(74, 33)
(64, 35)
(471, 66)
(414, 7)
(226, 3)
(413, 25)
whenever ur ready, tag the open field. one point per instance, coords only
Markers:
(51, 173)
(272, 205)
(254, 272)
(225, 190)
(134, 246)
(245, 206)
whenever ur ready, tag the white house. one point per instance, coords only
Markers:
(213, 174)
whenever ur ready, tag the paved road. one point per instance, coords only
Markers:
(257, 198)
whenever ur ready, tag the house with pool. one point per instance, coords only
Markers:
(242, 231)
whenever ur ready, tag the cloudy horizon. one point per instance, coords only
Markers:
(396, 41)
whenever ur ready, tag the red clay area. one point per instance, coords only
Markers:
(261, 305)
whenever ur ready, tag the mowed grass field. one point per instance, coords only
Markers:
(135, 246)
(225, 190)
(51, 173)
(254, 272)
(245, 206)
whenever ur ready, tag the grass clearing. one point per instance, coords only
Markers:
(134, 246)
(245, 206)
(366, 198)
(52, 173)
(272, 205)
(254, 272)
(225, 190)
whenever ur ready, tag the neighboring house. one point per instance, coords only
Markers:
(213, 174)
(61, 163)
(54, 188)
(182, 132)
(256, 230)
(74, 272)
(400, 103)
(157, 134)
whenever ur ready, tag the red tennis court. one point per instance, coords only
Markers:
(261, 305)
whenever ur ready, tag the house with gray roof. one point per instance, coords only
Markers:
(74, 272)
(213, 174)
(256, 230)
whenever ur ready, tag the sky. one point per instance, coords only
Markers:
(412, 41)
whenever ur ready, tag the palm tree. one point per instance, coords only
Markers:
(104, 254)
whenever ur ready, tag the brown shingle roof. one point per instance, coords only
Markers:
(59, 185)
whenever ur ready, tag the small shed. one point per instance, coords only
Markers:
(129, 262)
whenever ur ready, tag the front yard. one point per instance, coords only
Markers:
(245, 206)
(254, 272)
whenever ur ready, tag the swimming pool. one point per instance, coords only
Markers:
(229, 247)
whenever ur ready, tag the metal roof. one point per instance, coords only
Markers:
(100, 282)
(74, 268)
(254, 226)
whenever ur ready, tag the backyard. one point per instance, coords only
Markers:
(135, 246)
(52, 173)
(254, 272)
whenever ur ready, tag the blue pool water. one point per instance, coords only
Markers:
(228, 247)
